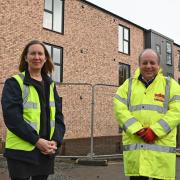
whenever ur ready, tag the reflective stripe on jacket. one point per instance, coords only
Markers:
(31, 114)
(157, 107)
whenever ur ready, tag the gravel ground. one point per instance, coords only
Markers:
(69, 170)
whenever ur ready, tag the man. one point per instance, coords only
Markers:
(147, 108)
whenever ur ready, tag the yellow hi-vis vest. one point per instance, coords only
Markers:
(31, 114)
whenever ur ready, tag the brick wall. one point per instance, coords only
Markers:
(91, 55)
(82, 146)
(90, 43)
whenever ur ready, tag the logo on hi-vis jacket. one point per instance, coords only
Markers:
(159, 97)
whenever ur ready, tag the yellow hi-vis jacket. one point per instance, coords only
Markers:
(157, 107)
(31, 114)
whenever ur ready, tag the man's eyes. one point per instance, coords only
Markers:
(151, 63)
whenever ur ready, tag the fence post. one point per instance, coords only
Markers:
(92, 116)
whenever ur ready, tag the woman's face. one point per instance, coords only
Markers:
(35, 57)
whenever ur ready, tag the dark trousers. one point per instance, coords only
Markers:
(40, 177)
(140, 178)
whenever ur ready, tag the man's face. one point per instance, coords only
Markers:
(149, 65)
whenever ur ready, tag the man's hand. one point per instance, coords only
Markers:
(147, 135)
(141, 132)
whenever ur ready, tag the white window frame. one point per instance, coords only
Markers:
(123, 39)
(54, 17)
(58, 63)
(168, 53)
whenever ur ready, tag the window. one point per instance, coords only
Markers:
(179, 60)
(169, 74)
(168, 53)
(124, 72)
(123, 39)
(57, 56)
(53, 15)
(158, 48)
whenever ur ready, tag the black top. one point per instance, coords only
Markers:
(12, 106)
(146, 83)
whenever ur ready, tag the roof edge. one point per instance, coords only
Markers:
(159, 34)
(176, 44)
(119, 17)
(110, 13)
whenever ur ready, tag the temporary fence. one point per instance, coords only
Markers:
(91, 128)
(90, 108)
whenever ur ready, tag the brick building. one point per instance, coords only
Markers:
(93, 51)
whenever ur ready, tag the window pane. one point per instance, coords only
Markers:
(121, 77)
(57, 19)
(124, 73)
(126, 48)
(120, 38)
(48, 5)
(127, 71)
(56, 74)
(170, 74)
(47, 21)
(158, 49)
(56, 55)
(48, 48)
(169, 59)
(168, 47)
(126, 34)
(121, 70)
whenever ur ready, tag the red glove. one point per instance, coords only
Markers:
(149, 136)
(141, 133)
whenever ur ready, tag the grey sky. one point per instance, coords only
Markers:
(160, 15)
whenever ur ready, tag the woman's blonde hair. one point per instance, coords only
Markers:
(48, 65)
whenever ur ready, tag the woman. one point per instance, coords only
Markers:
(32, 113)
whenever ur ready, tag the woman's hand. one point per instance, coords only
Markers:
(46, 147)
